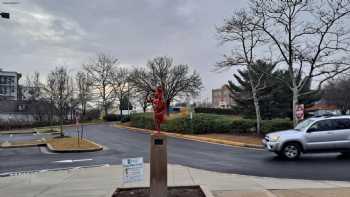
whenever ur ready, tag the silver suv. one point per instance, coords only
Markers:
(320, 134)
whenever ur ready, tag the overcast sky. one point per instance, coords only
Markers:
(43, 34)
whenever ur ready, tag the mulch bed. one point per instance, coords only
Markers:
(185, 191)
(71, 144)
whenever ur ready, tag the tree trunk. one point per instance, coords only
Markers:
(61, 121)
(121, 109)
(105, 109)
(295, 103)
(167, 107)
(255, 100)
(83, 107)
(257, 111)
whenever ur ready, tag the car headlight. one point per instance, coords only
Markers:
(274, 138)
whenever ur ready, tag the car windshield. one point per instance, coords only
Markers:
(302, 125)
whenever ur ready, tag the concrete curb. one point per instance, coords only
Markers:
(204, 189)
(196, 138)
(50, 148)
(23, 146)
(16, 132)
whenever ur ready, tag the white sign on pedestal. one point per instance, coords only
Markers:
(133, 170)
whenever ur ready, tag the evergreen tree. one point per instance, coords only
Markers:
(274, 97)
(242, 93)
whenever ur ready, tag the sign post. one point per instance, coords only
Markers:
(159, 169)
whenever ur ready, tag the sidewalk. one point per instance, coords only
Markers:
(102, 181)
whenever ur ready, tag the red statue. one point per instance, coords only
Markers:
(159, 107)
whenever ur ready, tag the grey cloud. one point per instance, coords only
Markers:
(42, 34)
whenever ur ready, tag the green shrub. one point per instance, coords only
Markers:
(125, 118)
(207, 110)
(178, 125)
(200, 124)
(92, 114)
(244, 126)
(269, 126)
(142, 120)
(116, 117)
(111, 117)
(209, 123)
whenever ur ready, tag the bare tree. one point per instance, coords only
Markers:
(33, 87)
(119, 81)
(143, 98)
(242, 30)
(175, 79)
(310, 37)
(60, 91)
(84, 90)
(34, 95)
(72, 100)
(100, 73)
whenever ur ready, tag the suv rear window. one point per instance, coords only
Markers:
(343, 123)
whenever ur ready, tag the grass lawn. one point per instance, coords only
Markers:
(27, 143)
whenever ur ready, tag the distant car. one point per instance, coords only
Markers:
(313, 135)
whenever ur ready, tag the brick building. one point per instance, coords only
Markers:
(222, 97)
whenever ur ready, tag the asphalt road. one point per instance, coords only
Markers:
(121, 143)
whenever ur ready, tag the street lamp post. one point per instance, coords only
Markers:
(5, 15)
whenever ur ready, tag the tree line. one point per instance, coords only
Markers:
(104, 83)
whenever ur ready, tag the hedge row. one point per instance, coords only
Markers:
(20, 124)
(232, 111)
(116, 117)
(209, 123)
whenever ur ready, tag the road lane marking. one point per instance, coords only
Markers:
(72, 160)
(21, 173)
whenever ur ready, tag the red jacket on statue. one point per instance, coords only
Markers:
(159, 107)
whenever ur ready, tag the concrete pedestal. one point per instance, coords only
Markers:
(159, 170)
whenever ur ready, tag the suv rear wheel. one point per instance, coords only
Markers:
(291, 151)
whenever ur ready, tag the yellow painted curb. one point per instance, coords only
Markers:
(195, 138)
